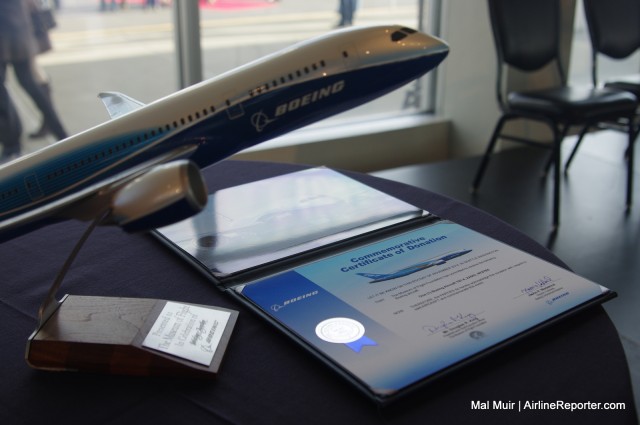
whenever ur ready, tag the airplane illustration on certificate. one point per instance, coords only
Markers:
(141, 169)
(415, 267)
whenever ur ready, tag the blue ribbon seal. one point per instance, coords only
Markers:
(358, 345)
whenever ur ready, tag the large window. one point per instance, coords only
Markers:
(129, 47)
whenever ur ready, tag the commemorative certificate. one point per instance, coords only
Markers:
(394, 312)
(388, 295)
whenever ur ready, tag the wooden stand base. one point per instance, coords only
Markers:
(105, 335)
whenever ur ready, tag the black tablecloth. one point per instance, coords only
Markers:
(265, 377)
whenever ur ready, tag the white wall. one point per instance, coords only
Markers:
(467, 85)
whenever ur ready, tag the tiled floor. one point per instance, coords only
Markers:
(596, 238)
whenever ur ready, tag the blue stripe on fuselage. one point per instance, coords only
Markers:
(225, 137)
(63, 175)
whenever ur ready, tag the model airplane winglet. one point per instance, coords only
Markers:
(141, 168)
(118, 104)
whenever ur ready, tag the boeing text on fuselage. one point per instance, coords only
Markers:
(309, 98)
(260, 120)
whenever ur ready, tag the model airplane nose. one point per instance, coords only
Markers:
(426, 51)
(392, 44)
(422, 44)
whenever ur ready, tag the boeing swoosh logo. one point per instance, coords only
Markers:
(260, 120)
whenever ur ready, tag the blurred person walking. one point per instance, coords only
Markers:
(347, 10)
(18, 48)
(43, 21)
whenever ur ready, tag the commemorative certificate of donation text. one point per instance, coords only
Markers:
(393, 313)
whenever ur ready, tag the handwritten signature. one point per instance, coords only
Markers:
(541, 283)
(198, 333)
(557, 297)
(451, 322)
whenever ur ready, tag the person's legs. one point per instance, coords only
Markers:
(24, 73)
(349, 9)
(10, 125)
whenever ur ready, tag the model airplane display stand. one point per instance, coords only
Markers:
(144, 166)
(115, 335)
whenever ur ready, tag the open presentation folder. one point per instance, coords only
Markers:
(387, 295)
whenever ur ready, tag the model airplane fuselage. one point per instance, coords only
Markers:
(133, 166)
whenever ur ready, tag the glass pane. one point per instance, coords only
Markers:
(580, 66)
(127, 47)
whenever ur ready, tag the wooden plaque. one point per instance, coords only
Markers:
(106, 334)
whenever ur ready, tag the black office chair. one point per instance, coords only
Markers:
(527, 37)
(614, 30)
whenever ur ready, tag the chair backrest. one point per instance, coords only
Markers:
(526, 35)
(614, 26)
(526, 32)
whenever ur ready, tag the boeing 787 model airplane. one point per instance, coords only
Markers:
(414, 268)
(140, 170)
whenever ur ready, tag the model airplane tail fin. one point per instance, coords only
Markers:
(118, 104)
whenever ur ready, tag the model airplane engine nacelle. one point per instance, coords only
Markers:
(164, 195)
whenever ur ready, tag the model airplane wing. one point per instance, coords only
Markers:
(135, 197)
(118, 104)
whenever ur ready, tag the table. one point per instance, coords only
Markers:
(266, 378)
